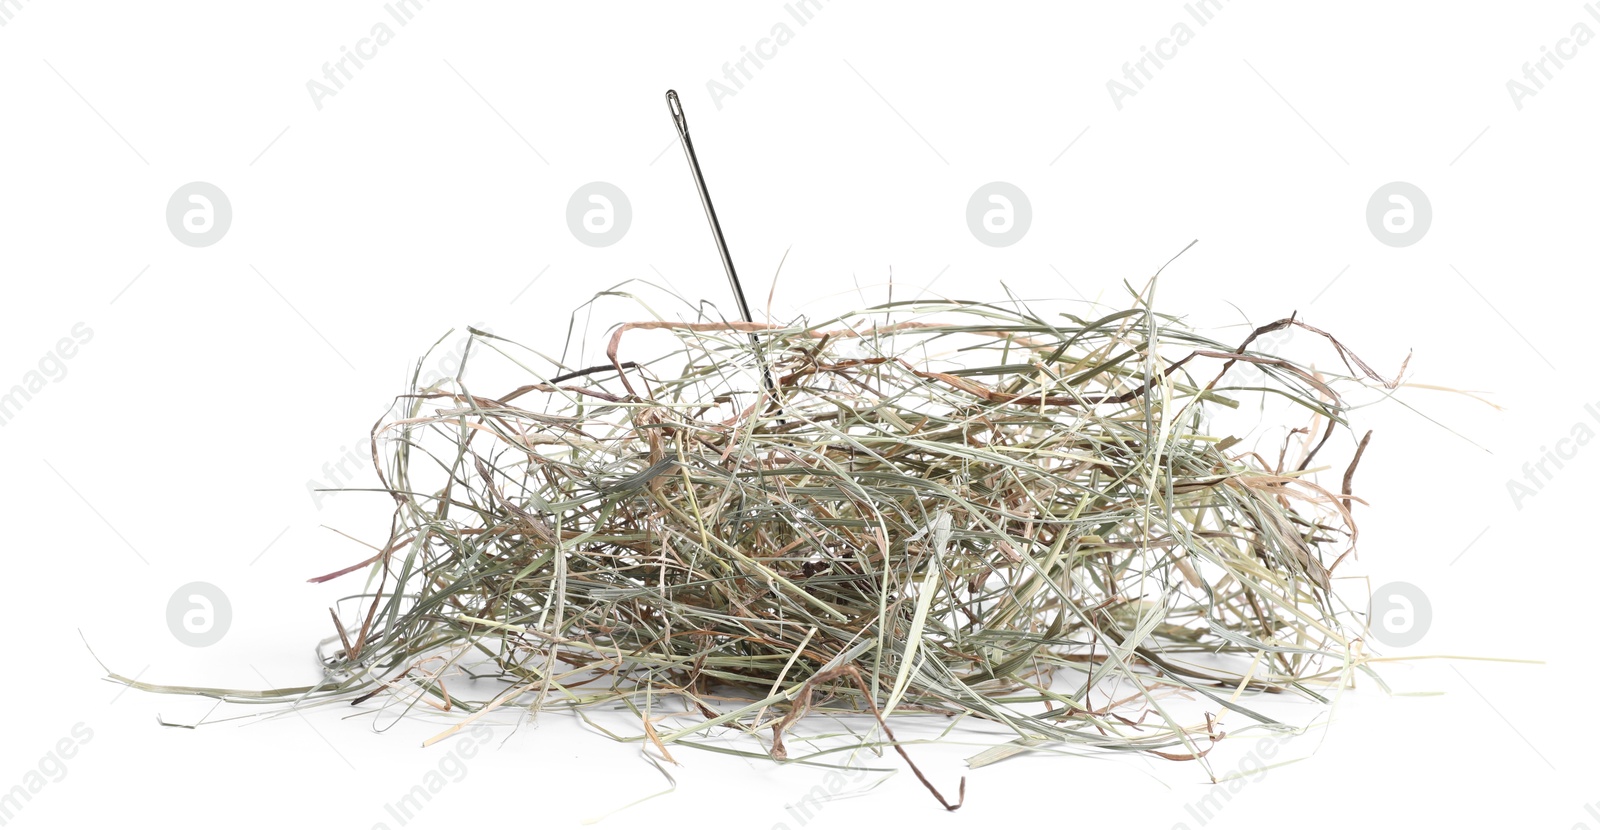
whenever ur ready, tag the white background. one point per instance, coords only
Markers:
(431, 190)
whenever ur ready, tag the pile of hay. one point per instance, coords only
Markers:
(923, 507)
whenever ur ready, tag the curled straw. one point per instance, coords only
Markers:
(964, 509)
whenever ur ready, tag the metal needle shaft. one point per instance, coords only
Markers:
(676, 107)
